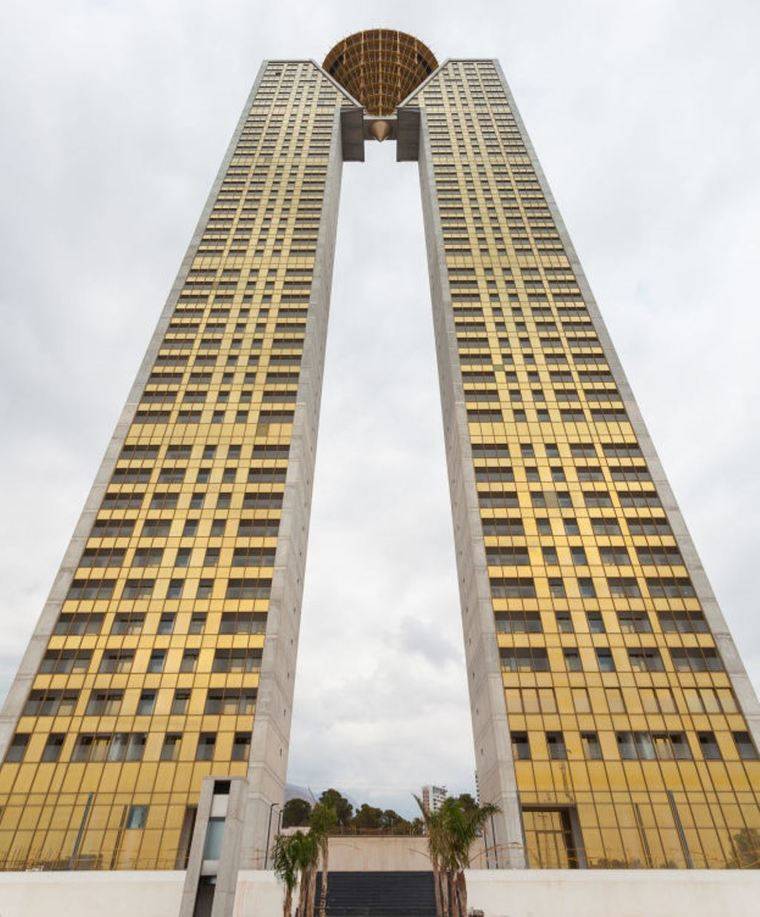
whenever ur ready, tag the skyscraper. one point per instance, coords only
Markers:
(614, 723)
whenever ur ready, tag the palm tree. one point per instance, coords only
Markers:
(323, 820)
(451, 831)
(294, 859)
(463, 824)
(286, 862)
(433, 829)
(308, 851)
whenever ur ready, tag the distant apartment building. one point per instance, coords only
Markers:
(433, 797)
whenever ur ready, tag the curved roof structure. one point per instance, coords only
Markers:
(380, 67)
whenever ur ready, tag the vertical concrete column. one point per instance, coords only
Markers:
(195, 858)
(271, 729)
(221, 797)
(229, 858)
(493, 752)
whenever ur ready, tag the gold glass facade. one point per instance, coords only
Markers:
(628, 742)
(148, 682)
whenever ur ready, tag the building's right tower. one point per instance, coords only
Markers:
(614, 722)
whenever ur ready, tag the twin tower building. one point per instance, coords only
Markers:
(613, 722)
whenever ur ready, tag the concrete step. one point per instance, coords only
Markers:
(380, 894)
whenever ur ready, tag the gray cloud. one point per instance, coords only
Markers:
(115, 118)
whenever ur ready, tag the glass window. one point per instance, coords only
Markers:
(520, 746)
(645, 660)
(137, 817)
(556, 587)
(156, 661)
(146, 703)
(170, 748)
(53, 746)
(104, 703)
(241, 745)
(166, 623)
(136, 746)
(634, 622)
(117, 747)
(709, 746)
(212, 845)
(524, 659)
(180, 701)
(516, 622)
(550, 555)
(17, 748)
(206, 746)
(555, 742)
(646, 748)
(126, 623)
(591, 747)
(605, 660)
(745, 746)
(197, 623)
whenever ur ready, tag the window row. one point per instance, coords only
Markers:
(124, 747)
(218, 701)
(63, 662)
(631, 746)
(639, 659)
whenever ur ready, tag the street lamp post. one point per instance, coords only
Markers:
(269, 829)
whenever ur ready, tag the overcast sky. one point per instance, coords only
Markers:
(115, 116)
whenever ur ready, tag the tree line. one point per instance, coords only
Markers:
(297, 812)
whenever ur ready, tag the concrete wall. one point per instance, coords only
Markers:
(498, 893)
(91, 894)
(622, 892)
(259, 894)
(388, 854)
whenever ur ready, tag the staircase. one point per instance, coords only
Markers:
(379, 894)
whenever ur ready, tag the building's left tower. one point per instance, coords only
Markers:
(166, 651)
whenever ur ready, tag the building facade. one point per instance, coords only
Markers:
(614, 723)
(433, 797)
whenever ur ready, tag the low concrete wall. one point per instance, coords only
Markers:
(378, 854)
(91, 894)
(388, 854)
(498, 893)
(622, 892)
(259, 894)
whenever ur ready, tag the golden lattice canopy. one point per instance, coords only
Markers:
(380, 67)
